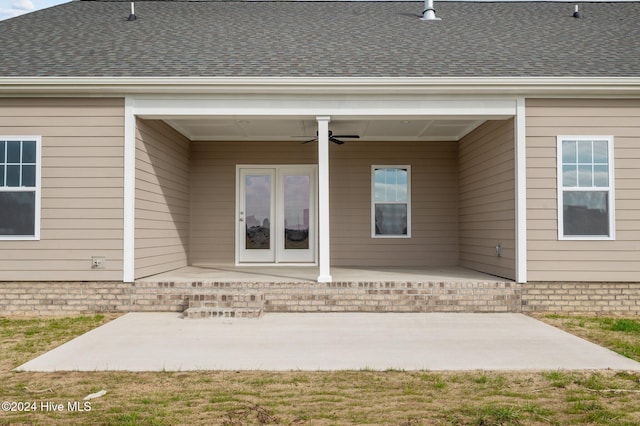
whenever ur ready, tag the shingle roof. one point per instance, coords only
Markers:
(323, 39)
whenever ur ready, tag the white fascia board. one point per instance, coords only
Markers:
(530, 86)
(353, 107)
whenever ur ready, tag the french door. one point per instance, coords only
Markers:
(276, 214)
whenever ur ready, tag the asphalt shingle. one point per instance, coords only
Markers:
(323, 39)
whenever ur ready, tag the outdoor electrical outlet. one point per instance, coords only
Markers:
(98, 262)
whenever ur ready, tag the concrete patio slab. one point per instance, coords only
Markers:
(329, 341)
(300, 273)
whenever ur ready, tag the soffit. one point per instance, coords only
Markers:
(270, 129)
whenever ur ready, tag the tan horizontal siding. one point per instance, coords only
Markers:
(548, 258)
(82, 192)
(162, 198)
(88, 121)
(487, 199)
(434, 223)
(103, 235)
(83, 173)
(58, 256)
(70, 130)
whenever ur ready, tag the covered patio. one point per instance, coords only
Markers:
(189, 194)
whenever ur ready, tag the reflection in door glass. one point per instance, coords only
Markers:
(258, 212)
(296, 212)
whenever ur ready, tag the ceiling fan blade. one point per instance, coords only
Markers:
(347, 136)
(336, 141)
(310, 140)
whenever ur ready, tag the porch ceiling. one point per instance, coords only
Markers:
(283, 129)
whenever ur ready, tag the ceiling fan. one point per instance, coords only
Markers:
(334, 138)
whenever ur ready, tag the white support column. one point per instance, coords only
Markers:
(521, 191)
(324, 259)
(128, 255)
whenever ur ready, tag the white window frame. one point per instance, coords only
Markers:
(610, 189)
(36, 189)
(373, 200)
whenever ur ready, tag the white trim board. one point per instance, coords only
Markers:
(311, 106)
(465, 86)
(520, 153)
(129, 208)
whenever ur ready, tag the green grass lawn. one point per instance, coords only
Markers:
(621, 335)
(480, 398)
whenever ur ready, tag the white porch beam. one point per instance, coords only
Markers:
(354, 107)
(521, 190)
(324, 259)
(129, 208)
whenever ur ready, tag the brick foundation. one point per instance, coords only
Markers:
(62, 298)
(74, 298)
(604, 298)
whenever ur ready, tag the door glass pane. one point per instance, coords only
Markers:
(296, 212)
(258, 212)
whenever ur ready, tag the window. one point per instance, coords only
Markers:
(391, 201)
(19, 188)
(585, 188)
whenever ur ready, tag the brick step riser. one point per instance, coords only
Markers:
(203, 312)
(226, 300)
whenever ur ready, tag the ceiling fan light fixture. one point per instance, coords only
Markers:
(334, 138)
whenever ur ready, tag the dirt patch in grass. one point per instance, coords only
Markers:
(307, 398)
